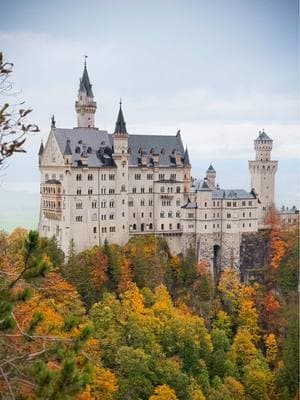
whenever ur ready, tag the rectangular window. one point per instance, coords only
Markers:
(228, 203)
(228, 215)
(243, 203)
(162, 227)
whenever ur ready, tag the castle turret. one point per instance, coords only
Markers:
(85, 105)
(211, 175)
(120, 135)
(263, 171)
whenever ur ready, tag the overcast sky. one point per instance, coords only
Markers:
(218, 70)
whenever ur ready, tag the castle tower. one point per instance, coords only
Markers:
(121, 157)
(211, 175)
(263, 171)
(85, 105)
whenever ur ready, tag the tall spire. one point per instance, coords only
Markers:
(186, 158)
(85, 85)
(85, 105)
(120, 124)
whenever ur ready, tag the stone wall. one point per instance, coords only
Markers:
(254, 255)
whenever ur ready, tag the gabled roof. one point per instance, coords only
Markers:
(85, 85)
(120, 124)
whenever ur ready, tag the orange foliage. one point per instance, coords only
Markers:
(277, 246)
(126, 276)
(99, 265)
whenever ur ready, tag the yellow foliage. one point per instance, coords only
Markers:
(242, 349)
(271, 347)
(163, 392)
(235, 387)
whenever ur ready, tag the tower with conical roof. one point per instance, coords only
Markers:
(85, 105)
(263, 171)
(120, 135)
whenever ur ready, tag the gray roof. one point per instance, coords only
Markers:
(211, 169)
(120, 124)
(96, 145)
(163, 145)
(41, 150)
(186, 158)
(85, 85)
(68, 151)
(232, 194)
(91, 143)
(263, 136)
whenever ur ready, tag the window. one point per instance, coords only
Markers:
(177, 189)
(103, 217)
(190, 215)
(103, 190)
(90, 177)
(170, 226)
(177, 214)
(130, 203)
(111, 191)
(250, 203)
(249, 224)
(228, 215)
(150, 214)
(234, 204)
(162, 189)
(170, 214)
(178, 202)
(243, 225)
(111, 216)
(94, 204)
(134, 190)
(103, 204)
(250, 214)
(103, 177)
(111, 203)
(178, 226)
(79, 205)
(79, 218)
(150, 226)
(228, 204)
(162, 227)
(214, 203)
(137, 177)
(123, 188)
(149, 177)
(142, 215)
(90, 191)
(104, 229)
(150, 202)
(111, 177)
(78, 177)
(161, 177)
(150, 189)
(205, 226)
(162, 214)
(243, 203)
(142, 202)
(205, 216)
(78, 191)
(205, 204)
(228, 226)
(134, 227)
(112, 229)
(142, 190)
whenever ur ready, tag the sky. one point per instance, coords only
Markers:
(220, 71)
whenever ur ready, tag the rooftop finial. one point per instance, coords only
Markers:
(120, 102)
(85, 57)
(53, 122)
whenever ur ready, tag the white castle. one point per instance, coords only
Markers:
(96, 186)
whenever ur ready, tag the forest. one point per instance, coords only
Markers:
(138, 323)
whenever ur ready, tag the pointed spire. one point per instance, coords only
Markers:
(186, 158)
(85, 85)
(211, 169)
(41, 150)
(120, 124)
(53, 122)
(68, 151)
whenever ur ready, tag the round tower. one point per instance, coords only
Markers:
(85, 105)
(263, 171)
(211, 175)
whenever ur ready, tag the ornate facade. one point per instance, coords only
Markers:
(96, 186)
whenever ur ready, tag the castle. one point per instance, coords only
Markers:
(96, 186)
